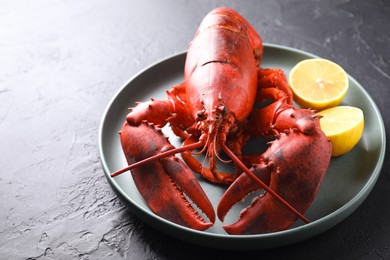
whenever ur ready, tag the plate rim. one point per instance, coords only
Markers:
(352, 204)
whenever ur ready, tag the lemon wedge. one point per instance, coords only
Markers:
(318, 83)
(343, 125)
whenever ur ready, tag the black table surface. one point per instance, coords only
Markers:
(62, 61)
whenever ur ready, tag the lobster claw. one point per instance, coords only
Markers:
(166, 183)
(282, 168)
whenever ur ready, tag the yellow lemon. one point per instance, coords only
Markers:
(343, 125)
(318, 83)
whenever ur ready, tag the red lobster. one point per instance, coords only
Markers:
(215, 110)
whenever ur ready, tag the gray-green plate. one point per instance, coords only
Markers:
(348, 181)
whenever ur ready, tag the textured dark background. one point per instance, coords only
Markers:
(62, 61)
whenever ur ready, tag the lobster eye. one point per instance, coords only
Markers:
(200, 115)
(222, 109)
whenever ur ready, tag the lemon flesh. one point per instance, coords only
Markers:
(318, 83)
(344, 126)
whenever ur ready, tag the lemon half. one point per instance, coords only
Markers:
(318, 83)
(343, 125)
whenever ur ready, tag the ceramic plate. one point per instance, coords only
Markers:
(348, 181)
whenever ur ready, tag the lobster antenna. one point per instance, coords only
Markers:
(160, 155)
(204, 147)
(216, 154)
(262, 184)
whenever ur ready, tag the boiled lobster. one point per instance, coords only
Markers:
(226, 99)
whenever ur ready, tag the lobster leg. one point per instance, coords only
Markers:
(160, 112)
(272, 86)
(207, 173)
(295, 181)
(274, 79)
(295, 165)
(166, 183)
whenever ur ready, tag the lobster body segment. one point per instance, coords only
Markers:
(218, 108)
